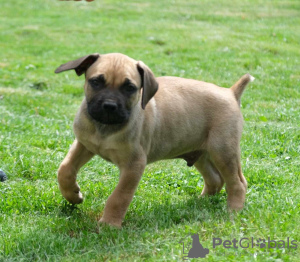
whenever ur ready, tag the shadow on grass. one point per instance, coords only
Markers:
(160, 216)
(68, 209)
(170, 213)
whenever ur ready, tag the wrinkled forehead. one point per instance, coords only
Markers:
(115, 68)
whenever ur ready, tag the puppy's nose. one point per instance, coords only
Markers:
(110, 106)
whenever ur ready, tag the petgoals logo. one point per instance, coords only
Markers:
(192, 248)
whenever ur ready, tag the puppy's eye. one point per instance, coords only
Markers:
(129, 89)
(97, 82)
(94, 82)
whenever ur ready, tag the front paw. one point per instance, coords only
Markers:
(73, 196)
(110, 222)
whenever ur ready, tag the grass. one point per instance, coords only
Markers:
(214, 41)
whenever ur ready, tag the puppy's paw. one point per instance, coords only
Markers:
(210, 190)
(110, 223)
(236, 203)
(235, 207)
(236, 196)
(72, 196)
(75, 198)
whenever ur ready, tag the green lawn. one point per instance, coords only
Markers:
(210, 40)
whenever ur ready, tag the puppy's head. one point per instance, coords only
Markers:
(113, 85)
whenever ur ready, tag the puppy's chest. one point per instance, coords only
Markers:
(106, 147)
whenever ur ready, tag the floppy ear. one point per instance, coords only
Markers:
(80, 65)
(149, 84)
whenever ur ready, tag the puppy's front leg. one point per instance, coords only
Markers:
(77, 156)
(118, 202)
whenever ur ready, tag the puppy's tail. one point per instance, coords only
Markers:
(239, 87)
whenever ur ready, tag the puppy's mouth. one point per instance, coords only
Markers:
(107, 117)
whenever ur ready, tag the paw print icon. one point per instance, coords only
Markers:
(261, 243)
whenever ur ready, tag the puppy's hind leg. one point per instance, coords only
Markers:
(213, 182)
(77, 156)
(227, 159)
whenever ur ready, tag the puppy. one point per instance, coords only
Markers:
(130, 118)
